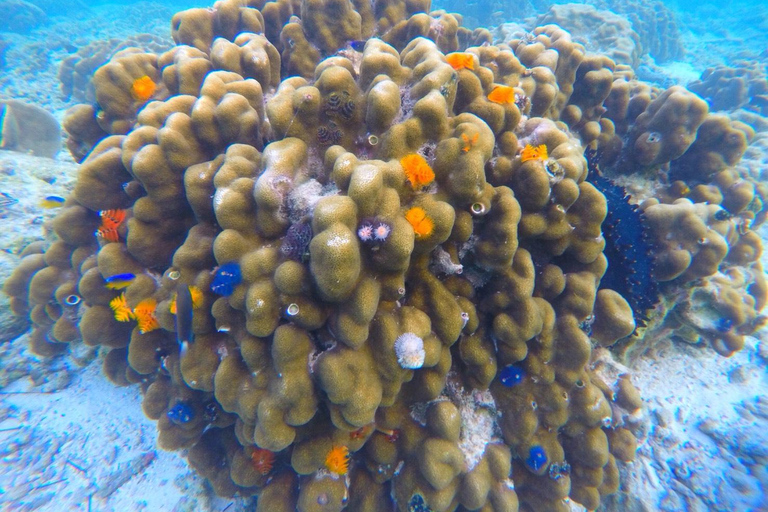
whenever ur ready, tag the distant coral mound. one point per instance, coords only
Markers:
(600, 31)
(20, 16)
(742, 84)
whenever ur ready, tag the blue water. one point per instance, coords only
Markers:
(102, 410)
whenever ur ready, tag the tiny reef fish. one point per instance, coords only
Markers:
(184, 309)
(461, 60)
(143, 88)
(52, 202)
(119, 281)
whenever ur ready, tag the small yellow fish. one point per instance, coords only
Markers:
(119, 281)
(52, 202)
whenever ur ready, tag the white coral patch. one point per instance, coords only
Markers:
(338, 241)
(409, 349)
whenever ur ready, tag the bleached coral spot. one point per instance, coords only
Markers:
(409, 349)
(338, 241)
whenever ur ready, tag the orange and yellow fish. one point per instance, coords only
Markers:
(461, 60)
(52, 202)
(143, 88)
(502, 94)
(534, 153)
(119, 281)
(417, 170)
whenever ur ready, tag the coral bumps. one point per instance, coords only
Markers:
(396, 255)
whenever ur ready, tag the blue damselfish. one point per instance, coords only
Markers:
(119, 281)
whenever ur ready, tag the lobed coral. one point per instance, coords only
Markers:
(21, 16)
(601, 31)
(656, 25)
(397, 252)
(743, 84)
(76, 71)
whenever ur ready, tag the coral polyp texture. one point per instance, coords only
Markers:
(351, 253)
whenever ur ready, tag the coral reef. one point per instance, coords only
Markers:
(353, 255)
(742, 84)
(655, 23)
(35, 58)
(20, 16)
(600, 31)
(76, 71)
(70, 8)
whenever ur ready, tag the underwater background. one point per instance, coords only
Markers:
(390, 255)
